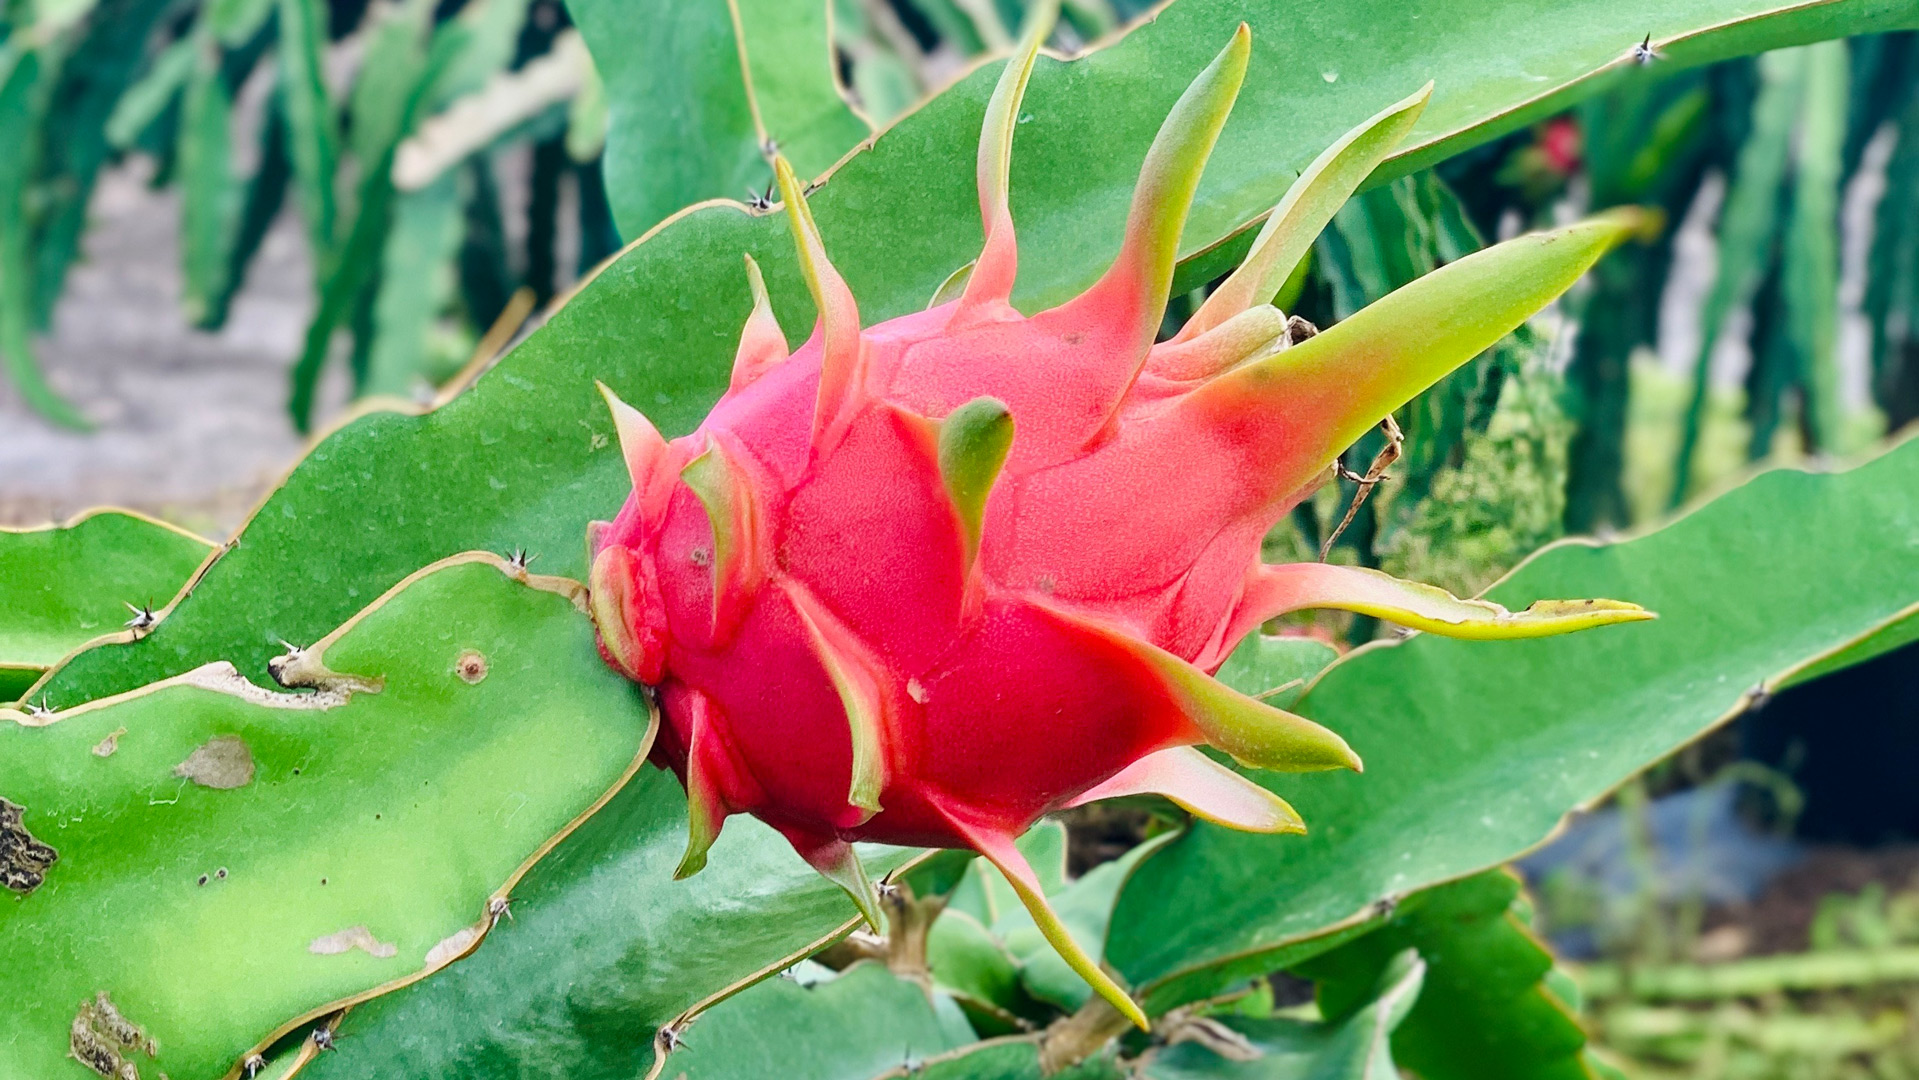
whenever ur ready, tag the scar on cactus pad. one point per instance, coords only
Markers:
(926, 581)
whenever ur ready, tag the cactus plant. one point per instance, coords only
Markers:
(841, 559)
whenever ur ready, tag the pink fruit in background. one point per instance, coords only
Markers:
(926, 581)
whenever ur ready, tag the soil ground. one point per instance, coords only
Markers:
(191, 426)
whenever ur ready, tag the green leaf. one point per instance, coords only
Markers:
(23, 111)
(1086, 907)
(91, 72)
(395, 61)
(1892, 635)
(231, 858)
(62, 586)
(1353, 1046)
(524, 458)
(1810, 252)
(852, 1027)
(1485, 1013)
(1654, 145)
(312, 128)
(604, 948)
(210, 195)
(1475, 751)
(1275, 669)
(1892, 275)
(416, 282)
(1747, 235)
(387, 100)
(1007, 1059)
(689, 122)
(236, 21)
(968, 962)
(144, 101)
(265, 194)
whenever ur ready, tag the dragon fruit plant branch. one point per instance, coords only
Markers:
(925, 581)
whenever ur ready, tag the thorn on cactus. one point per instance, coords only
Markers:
(672, 1037)
(143, 618)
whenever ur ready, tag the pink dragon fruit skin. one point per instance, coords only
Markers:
(927, 581)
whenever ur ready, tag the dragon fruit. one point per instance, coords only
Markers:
(927, 581)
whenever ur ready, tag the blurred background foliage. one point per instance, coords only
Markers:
(1772, 318)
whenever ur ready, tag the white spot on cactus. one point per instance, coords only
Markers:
(223, 763)
(916, 690)
(353, 937)
(106, 747)
(451, 948)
